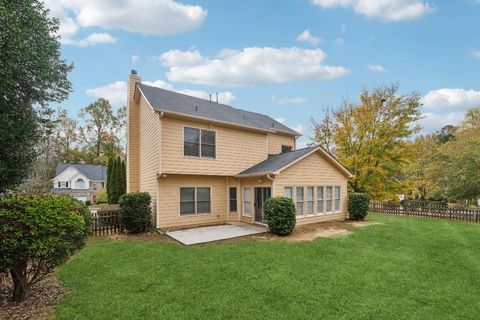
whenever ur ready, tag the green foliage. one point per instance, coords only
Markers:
(37, 234)
(31, 72)
(116, 179)
(280, 215)
(135, 211)
(358, 205)
(102, 197)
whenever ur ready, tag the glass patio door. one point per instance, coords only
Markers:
(261, 195)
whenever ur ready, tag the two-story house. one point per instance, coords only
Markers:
(80, 181)
(207, 163)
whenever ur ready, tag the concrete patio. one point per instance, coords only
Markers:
(215, 233)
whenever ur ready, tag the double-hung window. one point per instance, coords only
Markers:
(337, 199)
(288, 192)
(329, 199)
(199, 143)
(319, 200)
(310, 199)
(194, 201)
(286, 148)
(299, 201)
(232, 199)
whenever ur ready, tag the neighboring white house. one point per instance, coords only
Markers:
(80, 181)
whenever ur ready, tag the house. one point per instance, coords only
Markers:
(206, 163)
(81, 181)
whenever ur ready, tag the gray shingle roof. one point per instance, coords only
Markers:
(277, 161)
(169, 101)
(92, 172)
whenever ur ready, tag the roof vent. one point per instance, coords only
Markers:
(244, 117)
(210, 98)
(273, 124)
(217, 97)
(134, 72)
(196, 108)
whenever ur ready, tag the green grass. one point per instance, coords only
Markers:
(406, 268)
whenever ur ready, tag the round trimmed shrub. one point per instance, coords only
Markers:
(37, 234)
(358, 205)
(280, 215)
(135, 211)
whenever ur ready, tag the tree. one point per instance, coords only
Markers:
(37, 234)
(66, 135)
(370, 138)
(323, 130)
(99, 130)
(445, 134)
(110, 184)
(32, 73)
(472, 118)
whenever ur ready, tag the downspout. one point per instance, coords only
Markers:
(159, 174)
(273, 183)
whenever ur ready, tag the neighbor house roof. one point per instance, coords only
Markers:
(92, 172)
(177, 103)
(277, 162)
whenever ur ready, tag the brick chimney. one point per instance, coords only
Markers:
(133, 133)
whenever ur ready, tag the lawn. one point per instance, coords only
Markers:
(405, 268)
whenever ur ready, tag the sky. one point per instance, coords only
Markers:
(287, 59)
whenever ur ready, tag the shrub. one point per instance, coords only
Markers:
(37, 234)
(88, 203)
(101, 197)
(358, 205)
(135, 211)
(280, 215)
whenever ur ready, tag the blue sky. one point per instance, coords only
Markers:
(288, 59)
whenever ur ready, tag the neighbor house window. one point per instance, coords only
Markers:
(337, 198)
(310, 199)
(286, 148)
(299, 200)
(66, 184)
(319, 199)
(94, 186)
(195, 201)
(247, 202)
(232, 199)
(80, 184)
(329, 199)
(288, 192)
(198, 143)
(59, 184)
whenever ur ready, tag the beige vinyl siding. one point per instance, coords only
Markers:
(149, 155)
(275, 142)
(314, 170)
(236, 150)
(251, 183)
(133, 141)
(169, 197)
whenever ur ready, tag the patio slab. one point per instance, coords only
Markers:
(215, 233)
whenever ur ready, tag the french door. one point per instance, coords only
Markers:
(261, 195)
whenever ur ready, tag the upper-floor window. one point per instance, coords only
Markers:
(62, 184)
(199, 143)
(94, 186)
(80, 184)
(286, 148)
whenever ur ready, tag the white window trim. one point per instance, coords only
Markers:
(195, 202)
(339, 199)
(304, 215)
(323, 212)
(199, 144)
(244, 214)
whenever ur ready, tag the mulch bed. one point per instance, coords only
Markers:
(39, 303)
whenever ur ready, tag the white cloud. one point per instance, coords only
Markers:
(288, 100)
(95, 38)
(298, 128)
(339, 41)
(475, 54)
(343, 28)
(451, 98)
(116, 92)
(251, 66)
(135, 59)
(376, 68)
(158, 17)
(387, 10)
(432, 122)
(281, 120)
(306, 36)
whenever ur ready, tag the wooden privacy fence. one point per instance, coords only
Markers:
(105, 222)
(429, 211)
